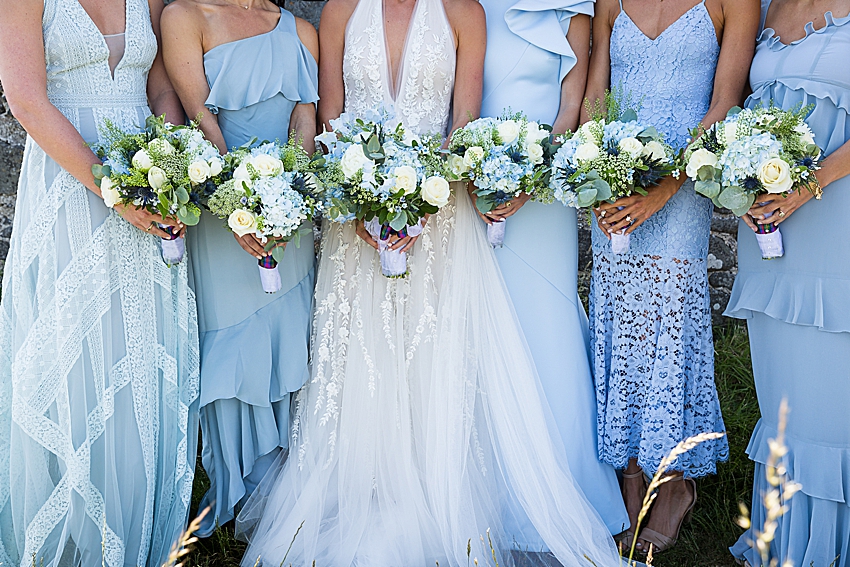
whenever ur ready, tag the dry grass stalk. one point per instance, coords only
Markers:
(183, 545)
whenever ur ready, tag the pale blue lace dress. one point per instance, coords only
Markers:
(98, 338)
(650, 317)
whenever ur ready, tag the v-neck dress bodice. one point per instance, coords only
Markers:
(650, 310)
(426, 72)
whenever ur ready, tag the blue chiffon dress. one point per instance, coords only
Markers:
(798, 311)
(254, 346)
(527, 58)
(650, 319)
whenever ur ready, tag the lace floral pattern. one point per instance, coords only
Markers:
(650, 316)
(98, 338)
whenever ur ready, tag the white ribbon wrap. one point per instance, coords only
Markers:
(173, 250)
(620, 242)
(270, 277)
(771, 245)
(496, 233)
(393, 262)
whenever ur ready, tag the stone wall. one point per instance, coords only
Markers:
(722, 248)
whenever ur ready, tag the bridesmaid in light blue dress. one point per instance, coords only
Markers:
(98, 337)
(798, 307)
(254, 346)
(530, 66)
(650, 319)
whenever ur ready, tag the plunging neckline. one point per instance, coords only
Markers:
(659, 36)
(112, 73)
(395, 80)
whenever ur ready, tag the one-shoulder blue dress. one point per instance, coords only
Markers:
(798, 311)
(527, 58)
(254, 346)
(650, 319)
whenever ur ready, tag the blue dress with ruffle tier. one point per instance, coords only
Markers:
(254, 346)
(798, 311)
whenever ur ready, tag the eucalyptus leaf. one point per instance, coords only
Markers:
(735, 199)
(629, 116)
(191, 217)
(277, 253)
(586, 196)
(709, 188)
(182, 195)
(706, 173)
(400, 221)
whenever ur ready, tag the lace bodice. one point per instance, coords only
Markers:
(426, 72)
(77, 58)
(671, 77)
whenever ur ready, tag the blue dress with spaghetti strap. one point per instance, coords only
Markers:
(798, 312)
(527, 58)
(650, 319)
(254, 346)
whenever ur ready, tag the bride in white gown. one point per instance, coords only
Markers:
(423, 426)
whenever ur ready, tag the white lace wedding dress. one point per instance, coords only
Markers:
(423, 425)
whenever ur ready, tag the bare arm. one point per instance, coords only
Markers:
(24, 79)
(599, 72)
(182, 38)
(161, 95)
(470, 26)
(303, 118)
(335, 17)
(575, 83)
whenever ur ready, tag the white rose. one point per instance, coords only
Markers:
(436, 191)
(508, 131)
(266, 165)
(110, 194)
(700, 158)
(654, 150)
(142, 161)
(730, 131)
(242, 222)
(161, 146)
(157, 178)
(242, 175)
(806, 134)
(534, 133)
(586, 131)
(405, 178)
(631, 146)
(215, 167)
(199, 171)
(473, 155)
(535, 153)
(457, 165)
(775, 175)
(353, 160)
(587, 152)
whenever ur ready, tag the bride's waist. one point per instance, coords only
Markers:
(97, 101)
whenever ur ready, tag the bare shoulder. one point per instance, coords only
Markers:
(733, 9)
(184, 14)
(606, 11)
(336, 13)
(464, 13)
(308, 36)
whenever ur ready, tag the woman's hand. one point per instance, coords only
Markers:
(628, 213)
(253, 245)
(364, 234)
(147, 221)
(393, 242)
(776, 208)
(499, 213)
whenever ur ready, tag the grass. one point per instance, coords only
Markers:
(703, 542)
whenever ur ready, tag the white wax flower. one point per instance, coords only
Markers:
(405, 178)
(266, 165)
(157, 178)
(654, 150)
(508, 131)
(587, 152)
(142, 161)
(775, 175)
(199, 171)
(242, 222)
(631, 146)
(436, 191)
(700, 158)
(110, 194)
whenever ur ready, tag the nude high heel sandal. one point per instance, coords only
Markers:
(661, 542)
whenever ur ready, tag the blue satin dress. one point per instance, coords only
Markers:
(798, 311)
(527, 58)
(254, 346)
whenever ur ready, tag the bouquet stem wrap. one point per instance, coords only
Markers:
(393, 262)
(269, 274)
(770, 241)
(620, 242)
(496, 233)
(173, 248)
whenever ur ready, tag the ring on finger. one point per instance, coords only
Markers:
(629, 219)
(781, 213)
(150, 227)
(603, 213)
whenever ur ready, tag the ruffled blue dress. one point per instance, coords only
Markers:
(650, 319)
(527, 58)
(254, 346)
(798, 311)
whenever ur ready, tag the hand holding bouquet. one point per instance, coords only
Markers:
(379, 173)
(503, 157)
(273, 191)
(163, 169)
(755, 152)
(608, 159)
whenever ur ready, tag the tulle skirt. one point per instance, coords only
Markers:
(423, 432)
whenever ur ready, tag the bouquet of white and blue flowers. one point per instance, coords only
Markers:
(380, 173)
(503, 157)
(608, 159)
(164, 169)
(272, 192)
(751, 153)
